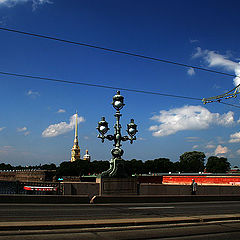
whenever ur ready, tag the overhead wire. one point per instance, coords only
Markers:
(116, 51)
(106, 86)
(229, 104)
(97, 85)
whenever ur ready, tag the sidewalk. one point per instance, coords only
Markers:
(50, 225)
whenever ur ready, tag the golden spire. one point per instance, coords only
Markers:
(75, 149)
(76, 133)
(76, 130)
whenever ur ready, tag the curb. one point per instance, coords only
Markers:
(51, 225)
(84, 199)
(162, 198)
(54, 199)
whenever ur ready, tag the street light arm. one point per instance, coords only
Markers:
(125, 138)
(132, 138)
(110, 137)
(102, 137)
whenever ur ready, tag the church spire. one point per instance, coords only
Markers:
(75, 155)
(76, 129)
(87, 157)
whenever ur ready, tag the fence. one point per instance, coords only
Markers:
(33, 188)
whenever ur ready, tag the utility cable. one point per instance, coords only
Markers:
(117, 51)
(114, 51)
(96, 85)
(107, 87)
(229, 104)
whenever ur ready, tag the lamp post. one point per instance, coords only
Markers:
(117, 163)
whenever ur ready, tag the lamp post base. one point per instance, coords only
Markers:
(117, 186)
(117, 169)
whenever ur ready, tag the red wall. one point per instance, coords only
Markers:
(150, 179)
(205, 180)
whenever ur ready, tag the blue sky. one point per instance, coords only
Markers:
(36, 120)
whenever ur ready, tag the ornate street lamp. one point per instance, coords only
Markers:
(117, 163)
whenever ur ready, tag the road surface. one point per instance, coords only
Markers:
(64, 214)
(36, 212)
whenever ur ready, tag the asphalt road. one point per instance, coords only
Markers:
(51, 212)
(200, 231)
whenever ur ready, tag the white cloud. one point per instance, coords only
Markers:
(208, 154)
(188, 118)
(23, 129)
(220, 140)
(195, 146)
(11, 3)
(238, 151)
(35, 3)
(62, 127)
(235, 137)
(215, 86)
(26, 133)
(220, 150)
(1, 128)
(192, 139)
(214, 59)
(7, 149)
(3, 20)
(33, 94)
(191, 71)
(61, 111)
(193, 40)
(209, 146)
(225, 119)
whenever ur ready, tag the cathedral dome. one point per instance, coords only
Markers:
(87, 156)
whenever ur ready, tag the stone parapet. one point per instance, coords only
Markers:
(117, 186)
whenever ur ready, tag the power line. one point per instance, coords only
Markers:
(229, 104)
(117, 51)
(107, 87)
(114, 51)
(97, 85)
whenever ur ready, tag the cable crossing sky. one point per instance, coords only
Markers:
(218, 98)
(116, 51)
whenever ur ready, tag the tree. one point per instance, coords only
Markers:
(176, 167)
(148, 166)
(134, 166)
(67, 169)
(51, 166)
(4, 166)
(217, 165)
(162, 165)
(192, 162)
(97, 167)
(82, 167)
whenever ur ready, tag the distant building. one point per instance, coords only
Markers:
(75, 155)
(87, 157)
(28, 175)
(234, 170)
